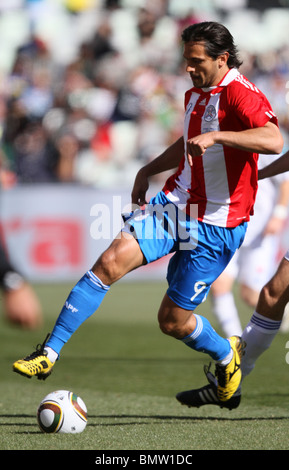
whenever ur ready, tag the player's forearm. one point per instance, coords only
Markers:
(168, 160)
(266, 140)
(278, 166)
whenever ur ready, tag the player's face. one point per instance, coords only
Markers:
(204, 71)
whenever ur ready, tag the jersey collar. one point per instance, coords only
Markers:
(226, 80)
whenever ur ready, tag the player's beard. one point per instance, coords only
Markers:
(201, 81)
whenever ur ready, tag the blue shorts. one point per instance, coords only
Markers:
(201, 251)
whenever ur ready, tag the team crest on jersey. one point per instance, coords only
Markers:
(210, 113)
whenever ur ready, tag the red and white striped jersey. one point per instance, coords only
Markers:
(222, 182)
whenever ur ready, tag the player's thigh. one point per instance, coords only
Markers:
(121, 257)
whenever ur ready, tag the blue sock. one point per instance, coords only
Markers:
(82, 302)
(205, 339)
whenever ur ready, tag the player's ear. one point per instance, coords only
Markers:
(223, 59)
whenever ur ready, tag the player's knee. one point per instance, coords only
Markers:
(107, 265)
(167, 327)
(170, 328)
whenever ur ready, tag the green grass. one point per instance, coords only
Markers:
(128, 373)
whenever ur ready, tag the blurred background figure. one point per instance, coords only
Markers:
(20, 304)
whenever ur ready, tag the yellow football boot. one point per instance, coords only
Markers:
(36, 364)
(229, 376)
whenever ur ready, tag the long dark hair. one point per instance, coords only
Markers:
(216, 38)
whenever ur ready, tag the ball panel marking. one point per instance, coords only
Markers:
(62, 411)
(50, 417)
(79, 406)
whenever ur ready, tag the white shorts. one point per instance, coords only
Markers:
(286, 256)
(254, 265)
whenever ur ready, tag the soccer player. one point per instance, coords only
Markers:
(200, 215)
(263, 325)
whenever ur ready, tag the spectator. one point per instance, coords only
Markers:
(114, 70)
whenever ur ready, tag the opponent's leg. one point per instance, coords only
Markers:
(264, 325)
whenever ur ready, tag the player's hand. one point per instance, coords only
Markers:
(274, 226)
(197, 146)
(140, 187)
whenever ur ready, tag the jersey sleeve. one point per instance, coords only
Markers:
(251, 105)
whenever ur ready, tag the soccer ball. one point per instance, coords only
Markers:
(63, 412)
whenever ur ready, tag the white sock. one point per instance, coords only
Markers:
(51, 354)
(226, 359)
(258, 334)
(225, 310)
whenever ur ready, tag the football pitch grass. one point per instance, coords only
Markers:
(128, 373)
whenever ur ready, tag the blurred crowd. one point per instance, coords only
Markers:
(117, 103)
